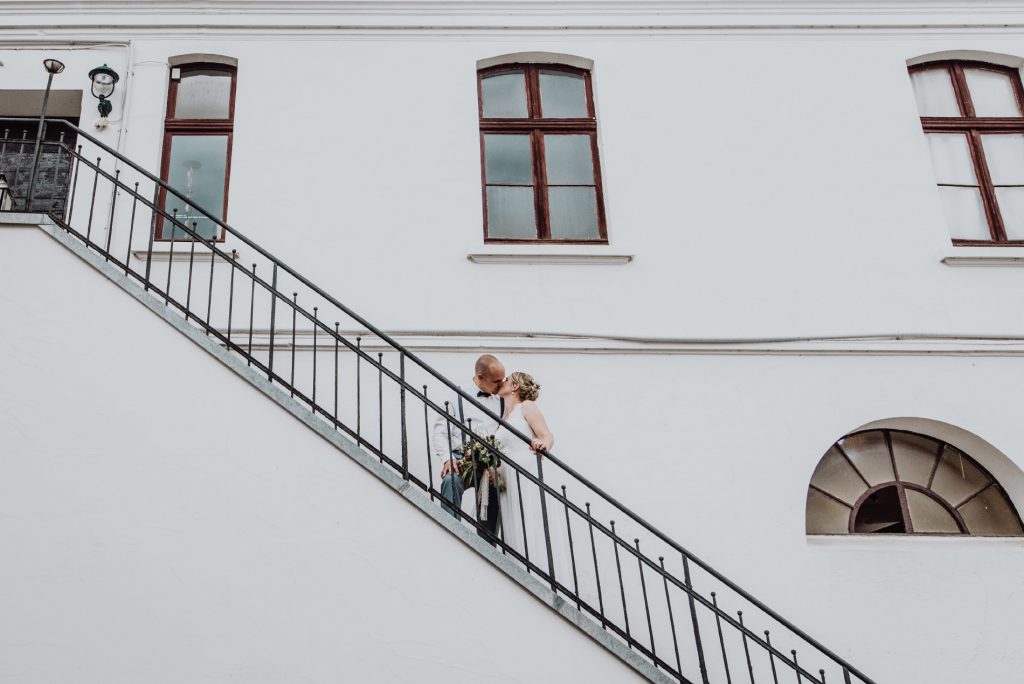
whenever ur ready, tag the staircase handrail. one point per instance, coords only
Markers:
(396, 346)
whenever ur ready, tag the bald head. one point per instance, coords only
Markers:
(486, 363)
(489, 373)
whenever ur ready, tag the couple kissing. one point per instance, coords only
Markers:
(506, 505)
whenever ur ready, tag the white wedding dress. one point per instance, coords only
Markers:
(522, 522)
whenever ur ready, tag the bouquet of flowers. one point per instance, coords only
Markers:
(479, 468)
(479, 463)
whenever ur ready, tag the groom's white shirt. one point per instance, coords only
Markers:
(482, 423)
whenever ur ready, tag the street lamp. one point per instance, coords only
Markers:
(104, 79)
(53, 67)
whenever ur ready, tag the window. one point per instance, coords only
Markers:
(197, 147)
(538, 138)
(900, 482)
(973, 115)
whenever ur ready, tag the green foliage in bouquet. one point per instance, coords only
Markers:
(476, 455)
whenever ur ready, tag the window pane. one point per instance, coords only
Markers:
(915, 457)
(870, 454)
(992, 93)
(197, 169)
(928, 515)
(562, 95)
(881, 513)
(204, 94)
(957, 477)
(1011, 207)
(510, 213)
(504, 95)
(1005, 157)
(951, 158)
(569, 159)
(508, 159)
(965, 213)
(825, 515)
(573, 213)
(933, 89)
(991, 513)
(835, 476)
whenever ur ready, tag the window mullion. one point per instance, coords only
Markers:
(540, 184)
(905, 508)
(532, 92)
(963, 93)
(988, 193)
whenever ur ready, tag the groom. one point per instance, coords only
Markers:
(448, 440)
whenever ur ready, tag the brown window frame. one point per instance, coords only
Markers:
(173, 126)
(537, 126)
(973, 127)
(901, 485)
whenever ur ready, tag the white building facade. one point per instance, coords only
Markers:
(724, 237)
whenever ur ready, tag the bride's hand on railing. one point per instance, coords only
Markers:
(538, 444)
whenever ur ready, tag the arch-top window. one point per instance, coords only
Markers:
(197, 146)
(973, 115)
(538, 137)
(899, 482)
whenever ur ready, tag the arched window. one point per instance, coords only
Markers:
(538, 138)
(198, 133)
(973, 115)
(898, 482)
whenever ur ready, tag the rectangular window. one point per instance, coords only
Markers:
(973, 116)
(197, 150)
(538, 137)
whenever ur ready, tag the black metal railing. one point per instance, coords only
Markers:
(52, 170)
(639, 585)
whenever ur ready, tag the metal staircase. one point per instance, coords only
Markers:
(663, 610)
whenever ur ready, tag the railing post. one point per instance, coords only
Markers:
(693, 617)
(113, 208)
(152, 229)
(544, 517)
(405, 436)
(273, 320)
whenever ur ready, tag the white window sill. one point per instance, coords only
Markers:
(548, 254)
(182, 250)
(982, 256)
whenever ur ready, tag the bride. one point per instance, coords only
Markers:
(522, 523)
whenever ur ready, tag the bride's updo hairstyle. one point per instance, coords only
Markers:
(529, 390)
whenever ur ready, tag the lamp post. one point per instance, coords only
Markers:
(53, 67)
(104, 79)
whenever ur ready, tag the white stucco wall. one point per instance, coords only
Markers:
(768, 182)
(715, 450)
(163, 522)
(767, 185)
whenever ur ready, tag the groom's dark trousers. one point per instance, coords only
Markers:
(452, 490)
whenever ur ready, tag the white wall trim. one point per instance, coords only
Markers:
(514, 342)
(641, 16)
(745, 8)
(537, 58)
(201, 58)
(535, 257)
(975, 55)
(982, 256)
(182, 252)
